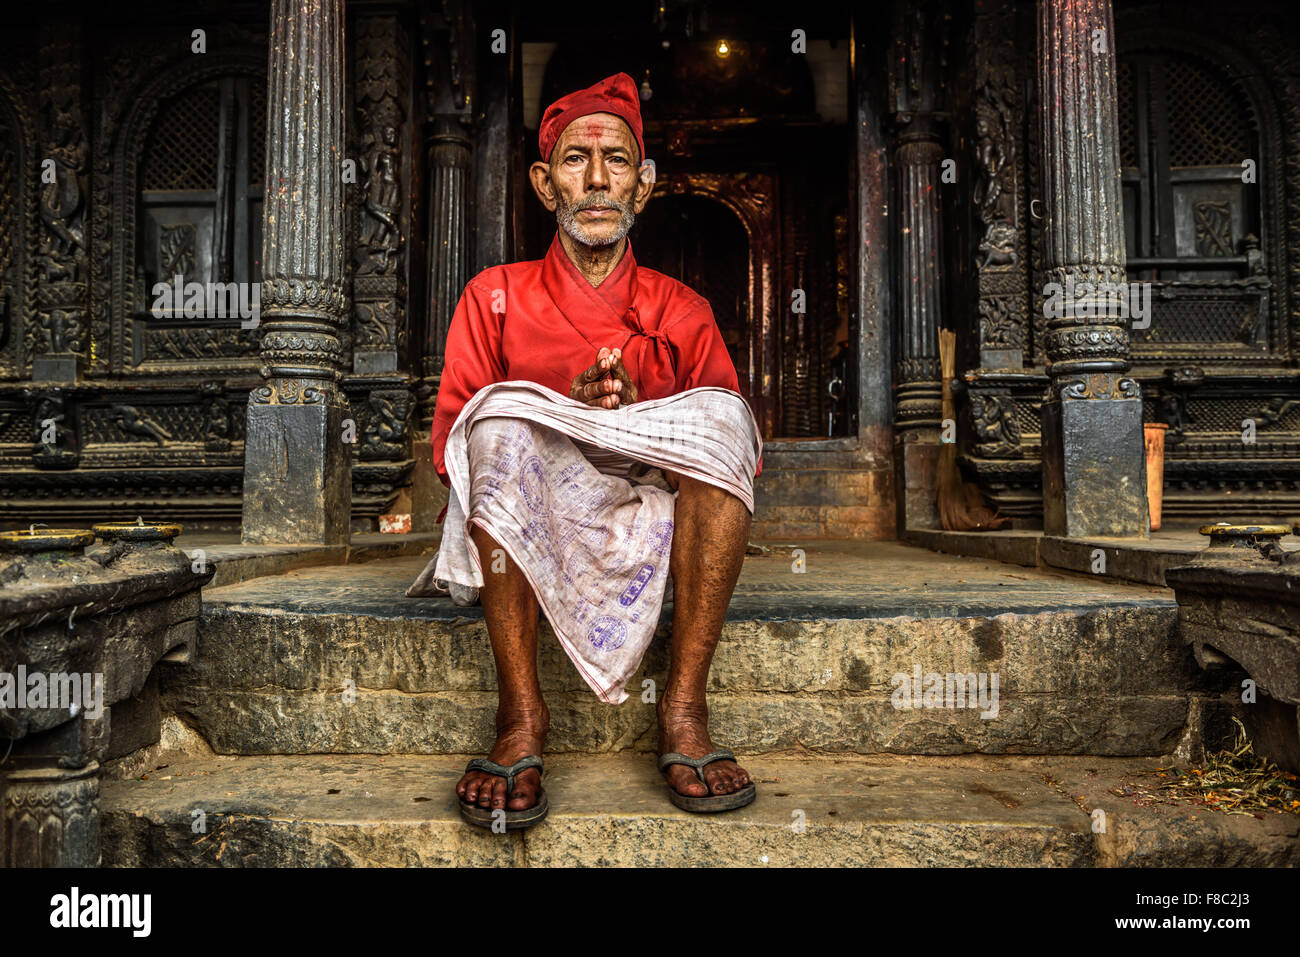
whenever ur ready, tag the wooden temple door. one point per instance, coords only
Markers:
(718, 234)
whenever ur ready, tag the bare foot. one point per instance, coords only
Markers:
(519, 734)
(684, 728)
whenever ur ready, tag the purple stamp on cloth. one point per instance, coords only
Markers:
(661, 537)
(637, 585)
(532, 483)
(607, 634)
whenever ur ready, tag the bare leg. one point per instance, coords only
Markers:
(711, 529)
(511, 609)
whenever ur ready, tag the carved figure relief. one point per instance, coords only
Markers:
(378, 288)
(53, 431)
(386, 417)
(996, 433)
(131, 421)
(62, 203)
(380, 237)
(995, 154)
(217, 424)
(998, 327)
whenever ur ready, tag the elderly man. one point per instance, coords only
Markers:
(612, 339)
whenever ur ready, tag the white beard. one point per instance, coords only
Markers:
(566, 216)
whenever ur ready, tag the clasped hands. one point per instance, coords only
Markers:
(606, 385)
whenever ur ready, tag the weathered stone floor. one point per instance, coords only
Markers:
(1091, 674)
(612, 810)
(840, 580)
(806, 660)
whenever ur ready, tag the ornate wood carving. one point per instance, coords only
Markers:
(1000, 267)
(60, 339)
(18, 217)
(997, 434)
(379, 251)
(54, 430)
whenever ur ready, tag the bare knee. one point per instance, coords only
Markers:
(707, 494)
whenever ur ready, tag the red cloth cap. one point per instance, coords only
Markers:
(615, 94)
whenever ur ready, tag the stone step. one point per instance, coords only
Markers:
(806, 660)
(612, 810)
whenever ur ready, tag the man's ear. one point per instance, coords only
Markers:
(645, 185)
(540, 175)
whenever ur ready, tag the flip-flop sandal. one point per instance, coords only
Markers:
(515, 820)
(709, 803)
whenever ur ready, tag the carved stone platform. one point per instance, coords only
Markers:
(100, 621)
(1239, 602)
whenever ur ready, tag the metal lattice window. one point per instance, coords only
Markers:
(1207, 123)
(201, 184)
(1184, 131)
(182, 153)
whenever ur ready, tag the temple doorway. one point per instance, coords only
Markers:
(703, 244)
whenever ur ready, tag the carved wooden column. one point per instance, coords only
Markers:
(500, 107)
(447, 34)
(449, 47)
(918, 394)
(297, 465)
(914, 91)
(1093, 459)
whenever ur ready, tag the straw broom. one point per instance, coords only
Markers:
(961, 506)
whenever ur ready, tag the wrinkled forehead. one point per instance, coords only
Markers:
(603, 130)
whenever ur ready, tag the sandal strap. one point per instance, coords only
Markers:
(722, 754)
(509, 773)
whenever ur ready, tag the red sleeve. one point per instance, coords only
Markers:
(471, 361)
(702, 356)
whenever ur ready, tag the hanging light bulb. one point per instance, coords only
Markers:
(646, 91)
(724, 49)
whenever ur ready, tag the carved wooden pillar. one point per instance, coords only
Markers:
(62, 335)
(449, 48)
(500, 97)
(918, 394)
(297, 465)
(1093, 460)
(915, 71)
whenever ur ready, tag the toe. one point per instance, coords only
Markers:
(719, 780)
(684, 781)
(524, 795)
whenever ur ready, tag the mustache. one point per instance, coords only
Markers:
(599, 199)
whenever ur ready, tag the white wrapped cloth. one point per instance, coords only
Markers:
(575, 497)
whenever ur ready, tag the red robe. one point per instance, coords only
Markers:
(549, 322)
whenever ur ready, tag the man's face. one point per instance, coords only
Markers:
(593, 181)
